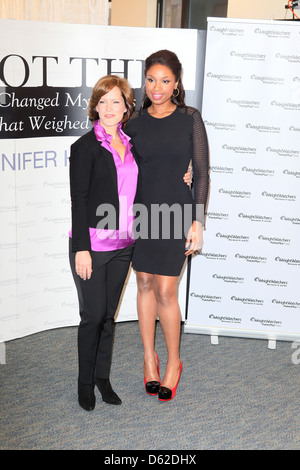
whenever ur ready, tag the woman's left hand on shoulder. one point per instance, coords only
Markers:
(188, 176)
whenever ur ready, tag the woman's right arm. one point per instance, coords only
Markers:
(81, 164)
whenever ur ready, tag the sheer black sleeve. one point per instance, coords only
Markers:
(200, 163)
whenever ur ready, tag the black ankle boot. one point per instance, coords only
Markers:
(108, 395)
(86, 396)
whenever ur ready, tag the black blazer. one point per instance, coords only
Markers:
(93, 181)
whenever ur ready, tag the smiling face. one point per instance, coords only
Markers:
(111, 108)
(160, 84)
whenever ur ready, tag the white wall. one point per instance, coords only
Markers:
(257, 9)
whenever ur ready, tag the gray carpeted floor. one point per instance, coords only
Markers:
(237, 395)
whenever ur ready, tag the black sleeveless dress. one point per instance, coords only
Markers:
(165, 147)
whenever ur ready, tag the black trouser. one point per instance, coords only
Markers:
(98, 301)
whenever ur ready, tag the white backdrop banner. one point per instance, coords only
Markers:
(246, 281)
(47, 71)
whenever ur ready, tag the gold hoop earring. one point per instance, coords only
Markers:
(144, 89)
(175, 96)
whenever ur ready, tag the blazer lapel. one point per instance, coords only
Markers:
(107, 158)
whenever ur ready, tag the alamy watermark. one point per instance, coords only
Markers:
(160, 221)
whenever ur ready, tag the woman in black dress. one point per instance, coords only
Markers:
(166, 134)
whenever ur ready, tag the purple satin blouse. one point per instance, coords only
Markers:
(127, 175)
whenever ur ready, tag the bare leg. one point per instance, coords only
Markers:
(147, 312)
(165, 289)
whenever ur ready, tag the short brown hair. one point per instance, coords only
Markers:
(103, 86)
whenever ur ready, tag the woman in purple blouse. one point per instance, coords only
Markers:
(104, 184)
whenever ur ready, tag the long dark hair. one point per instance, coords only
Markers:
(169, 59)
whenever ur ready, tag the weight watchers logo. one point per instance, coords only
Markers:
(284, 152)
(248, 56)
(296, 174)
(265, 322)
(214, 256)
(247, 301)
(222, 169)
(217, 215)
(251, 258)
(255, 218)
(230, 279)
(207, 298)
(224, 319)
(244, 103)
(227, 31)
(263, 129)
(286, 106)
(268, 80)
(240, 149)
(220, 126)
(235, 193)
(294, 129)
(286, 303)
(279, 196)
(259, 171)
(221, 77)
(273, 33)
(292, 220)
(292, 58)
(271, 282)
(275, 240)
(289, 261)
(233, 238)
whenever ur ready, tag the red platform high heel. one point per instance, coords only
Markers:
(167, 394)
(152, 387)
